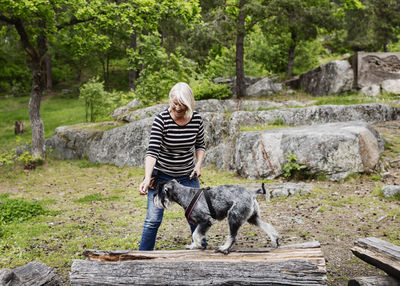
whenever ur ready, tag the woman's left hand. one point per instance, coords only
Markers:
(196, 170)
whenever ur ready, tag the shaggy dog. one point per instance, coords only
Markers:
(235, 203)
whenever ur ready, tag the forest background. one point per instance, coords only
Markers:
(77, 60)
(127, 49)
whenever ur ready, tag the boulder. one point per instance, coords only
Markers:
(122, 146)
(372, 90)
(265, 86)
(125, 145)
(331, 78)
(287, 190)
(391, 86)
(391, 191)
(335, 149)
(374, 68)
(125, 113)
(369, 112)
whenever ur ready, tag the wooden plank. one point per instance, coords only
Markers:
(377, 252)
(374, 281)
(291, 265)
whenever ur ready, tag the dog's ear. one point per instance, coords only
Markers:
(160, 185)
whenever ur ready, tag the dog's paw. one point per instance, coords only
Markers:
(192, 246)
(222, 250)
(275, 242)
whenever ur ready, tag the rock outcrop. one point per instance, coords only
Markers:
(229, 148)
(334, 149)
(331, 78)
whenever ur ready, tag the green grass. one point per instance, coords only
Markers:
(56, 111)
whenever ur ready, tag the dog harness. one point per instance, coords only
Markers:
(194, 201)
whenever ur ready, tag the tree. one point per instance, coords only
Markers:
(301, 20)
(38, 22)
(243, 15)
(373, 26)
(35, 22)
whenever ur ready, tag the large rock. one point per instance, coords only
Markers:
(391, 86)
(374, 68)
(336, 150)
(126, 114)
(391, 191)
(331, 78)
(369, 112)
(372, 90)
(125, 145)
(265, 86)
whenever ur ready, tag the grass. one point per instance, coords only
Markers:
(97, 206)
(12, 109)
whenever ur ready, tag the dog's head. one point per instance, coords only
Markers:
(162, 198)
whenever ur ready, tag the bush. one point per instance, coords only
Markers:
(96, 99)
(206, 89)
(19, 210)
(291, 168)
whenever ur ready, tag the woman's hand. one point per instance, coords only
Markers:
(196, 170)
(144, 186)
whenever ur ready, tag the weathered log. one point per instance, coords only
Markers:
(296, 265)
(380, 253)
(33, 273)
(374, 281)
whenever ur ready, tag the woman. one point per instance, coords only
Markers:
(176, 136)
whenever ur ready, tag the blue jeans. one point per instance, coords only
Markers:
(154, 215)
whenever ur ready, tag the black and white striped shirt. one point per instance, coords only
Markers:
(173, 145)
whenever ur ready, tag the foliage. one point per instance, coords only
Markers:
(160, 70)
(28, 161)
(291, 167)
(221, 63)
(96, 99)
(19, 210)
(206, 89)
(95, 198)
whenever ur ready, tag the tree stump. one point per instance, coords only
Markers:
(19, 127)
(302, 264)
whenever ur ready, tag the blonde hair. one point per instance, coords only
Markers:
(184, 94)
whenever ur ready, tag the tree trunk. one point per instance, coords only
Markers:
(38, 86)
(36, 63)
(291, 55)
(240, 84)
(132, 71)
(107, 78)
(49, 78)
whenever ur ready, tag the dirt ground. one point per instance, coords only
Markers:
(334, 213)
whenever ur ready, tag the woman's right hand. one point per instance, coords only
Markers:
(144, 186)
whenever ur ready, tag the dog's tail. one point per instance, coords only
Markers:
(262, 191)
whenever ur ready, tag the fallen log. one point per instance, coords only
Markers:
(374, 281)
(34, 273)
(302, 264)
(380, 253)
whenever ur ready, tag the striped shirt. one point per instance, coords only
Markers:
(173, 145)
